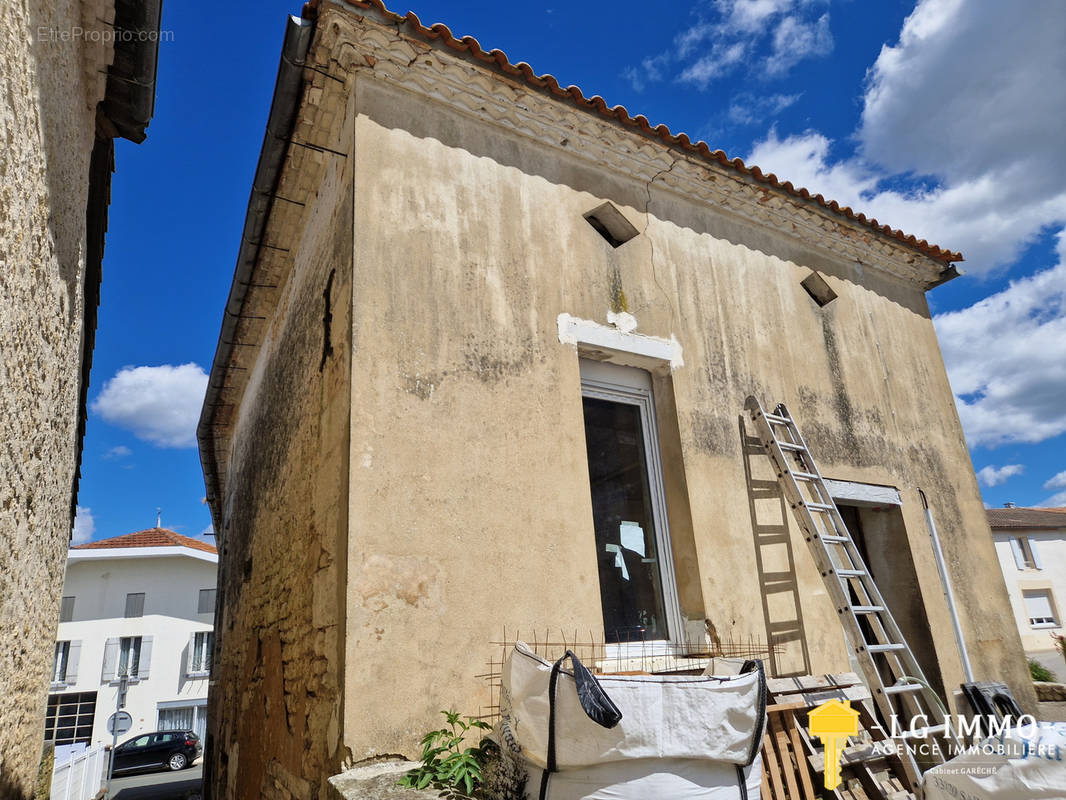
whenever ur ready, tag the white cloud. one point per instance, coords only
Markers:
(746, 108)
(1057, 500)
(715, 64)
(119, 451)
(763, 37)
(1006, 358)
(967, 87)
(209, 530)
(84, 526)
(1056, 481)
(160, 404)
(994, 476)
(967, 99)
(796, 40)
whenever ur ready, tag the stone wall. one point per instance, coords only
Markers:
(275, 706)
(48, 95)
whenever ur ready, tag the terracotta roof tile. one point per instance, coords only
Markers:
(152, 537)
(498, 60)
(1026, 517)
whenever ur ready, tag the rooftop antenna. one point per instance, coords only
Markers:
(159, 518)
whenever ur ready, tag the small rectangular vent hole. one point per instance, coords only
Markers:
(611, 224)
(818, 289)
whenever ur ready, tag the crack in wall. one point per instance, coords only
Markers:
(651, 244)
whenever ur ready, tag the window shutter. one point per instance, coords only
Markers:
(1038, 605)
(110, 660)
(66, 609)
(73, 654)
(146, 657)
(135, 604)
(1016, 548)
(206, 602)
(190, 664)
(209, 650)
(1036, 556)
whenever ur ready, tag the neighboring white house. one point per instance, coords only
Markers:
(141, 604)
(1031, 545)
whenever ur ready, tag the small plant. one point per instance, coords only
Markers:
(1059, 641)
(446, 764)
(1038, 672)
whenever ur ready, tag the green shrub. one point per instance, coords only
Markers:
(446, 764)
(1038, 672)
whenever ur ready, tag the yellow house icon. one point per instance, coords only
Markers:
(833, 722)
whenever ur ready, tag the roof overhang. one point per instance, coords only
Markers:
(75, 555)
(125, 111)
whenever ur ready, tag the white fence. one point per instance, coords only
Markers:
(81, 777)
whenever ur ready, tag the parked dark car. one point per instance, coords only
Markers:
(157, 750)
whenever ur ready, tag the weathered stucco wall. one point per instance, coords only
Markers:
(275, 705)
(470, 500)
(48, 96)
(385, 523)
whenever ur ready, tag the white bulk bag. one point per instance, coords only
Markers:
(1023, 763)
(707, 718)
(652, 779)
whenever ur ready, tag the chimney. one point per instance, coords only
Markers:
(1008, 504)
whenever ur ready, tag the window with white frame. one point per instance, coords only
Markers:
(65, 663)
(129, 656)
(1040, 608)
(200, 646)
(638, 591)
(178, 717)
(1025, 552)
(59, 664)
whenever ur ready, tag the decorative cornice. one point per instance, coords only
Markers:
(360, 42)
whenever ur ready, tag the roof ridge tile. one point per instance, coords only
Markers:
(470, 45)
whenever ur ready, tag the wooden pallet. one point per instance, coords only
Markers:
(794, 761)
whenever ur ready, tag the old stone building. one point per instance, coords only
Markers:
(484, 364)
(74, 74)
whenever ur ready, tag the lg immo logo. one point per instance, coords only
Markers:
(833, 722)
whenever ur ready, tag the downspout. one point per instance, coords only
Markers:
(945, 582)
(288, 91)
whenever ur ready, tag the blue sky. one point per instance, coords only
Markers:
(941, 118)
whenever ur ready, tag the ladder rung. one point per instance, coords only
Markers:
(884, 648)
(835, 539)
(868, 610)
(903, 687)
(819, 506)
(850, 573)
(924, 733)
(791, 446)
(776, 419)
(805, 476)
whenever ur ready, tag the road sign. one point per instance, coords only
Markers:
(119, 722)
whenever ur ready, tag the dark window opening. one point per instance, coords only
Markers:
(69, 718)
(631, 588)
(818, 289)
(611, 224)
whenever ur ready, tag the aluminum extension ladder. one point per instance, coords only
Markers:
(872, 633)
